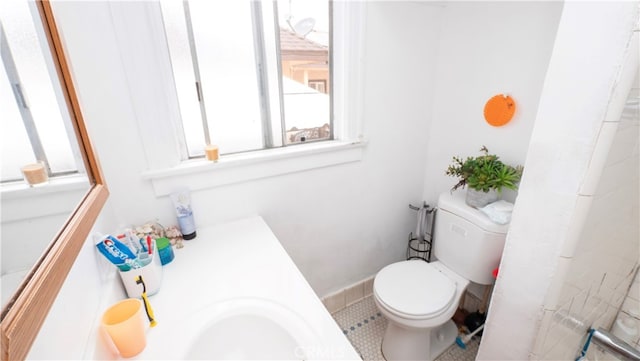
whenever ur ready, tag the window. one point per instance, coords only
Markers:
(251, 75)
(35, 116)
(319, 85)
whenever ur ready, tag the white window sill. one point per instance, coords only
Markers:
(60, 195)
(58, 184)
(236, 168)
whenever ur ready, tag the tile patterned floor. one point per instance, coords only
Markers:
(364, 326)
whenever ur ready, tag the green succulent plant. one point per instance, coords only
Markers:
(484, 173)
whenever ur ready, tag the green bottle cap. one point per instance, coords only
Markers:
(163, 243)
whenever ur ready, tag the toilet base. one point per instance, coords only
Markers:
(401, 343)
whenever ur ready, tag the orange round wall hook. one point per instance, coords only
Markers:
(499, 110)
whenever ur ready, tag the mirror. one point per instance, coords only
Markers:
(24, 313)
(36, 127)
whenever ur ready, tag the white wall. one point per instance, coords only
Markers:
(606, 257)
(91, 286)
(554, 272)
(628, 132)
(596, 268)
(594, 271)
(485, 49)
(30, 218)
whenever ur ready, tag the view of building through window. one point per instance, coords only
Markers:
(250, 74)
(304, 51)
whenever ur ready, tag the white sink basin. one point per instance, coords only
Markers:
(249, 329)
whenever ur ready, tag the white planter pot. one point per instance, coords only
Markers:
(479, 199)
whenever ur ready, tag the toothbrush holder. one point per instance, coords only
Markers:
(151, 273)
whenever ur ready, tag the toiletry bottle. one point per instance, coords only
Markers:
(182, 203)
(164, 250)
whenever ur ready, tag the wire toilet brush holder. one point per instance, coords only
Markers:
(421, 247)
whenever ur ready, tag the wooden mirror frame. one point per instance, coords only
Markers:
(26, 311)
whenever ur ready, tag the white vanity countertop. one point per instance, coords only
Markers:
(237, 260)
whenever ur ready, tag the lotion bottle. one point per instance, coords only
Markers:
(182, 203)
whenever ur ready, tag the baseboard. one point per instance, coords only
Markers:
(348, 295)
(356, 292)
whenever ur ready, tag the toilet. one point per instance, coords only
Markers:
(419, 298)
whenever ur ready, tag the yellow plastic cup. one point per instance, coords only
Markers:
(124, 323)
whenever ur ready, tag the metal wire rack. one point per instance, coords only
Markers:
(421, 247)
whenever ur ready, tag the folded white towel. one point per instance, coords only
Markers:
(499, 212)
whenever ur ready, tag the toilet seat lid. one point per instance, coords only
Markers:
(414, 288)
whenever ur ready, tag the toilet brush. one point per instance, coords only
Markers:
(462, 341)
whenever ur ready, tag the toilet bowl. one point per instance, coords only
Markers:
(420, 326)
(419, 298)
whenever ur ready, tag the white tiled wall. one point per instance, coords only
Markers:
(628, 133)
(600, 263)
(631, 309)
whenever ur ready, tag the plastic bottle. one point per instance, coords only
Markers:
(164, 250)
(182, 202)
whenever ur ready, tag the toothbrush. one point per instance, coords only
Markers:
(123, 238)
(143, 246)
(132, 239)
(149, 244)
(145, 300)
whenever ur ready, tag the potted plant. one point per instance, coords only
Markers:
(485, 175)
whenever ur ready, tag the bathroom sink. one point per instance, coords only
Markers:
(249, 329)
(216, 305)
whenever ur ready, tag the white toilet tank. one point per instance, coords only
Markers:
(466, 240)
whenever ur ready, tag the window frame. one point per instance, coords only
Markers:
(321, 82)
(268, 69)
(166, 168)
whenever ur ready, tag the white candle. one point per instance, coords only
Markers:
(35, 173)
